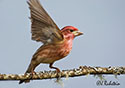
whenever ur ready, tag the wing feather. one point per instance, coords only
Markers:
(43, 28)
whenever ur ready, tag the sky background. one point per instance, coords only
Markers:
(103, 42)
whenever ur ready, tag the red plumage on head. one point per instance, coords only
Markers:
(67, 32)
(69, 27)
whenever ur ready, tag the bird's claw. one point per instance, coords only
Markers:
(58, 76)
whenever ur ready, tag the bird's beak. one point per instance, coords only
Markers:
(77, 33)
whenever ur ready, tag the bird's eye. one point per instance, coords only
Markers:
(71, 30)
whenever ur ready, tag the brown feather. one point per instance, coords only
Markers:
(43, 27)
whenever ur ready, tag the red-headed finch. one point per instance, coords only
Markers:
(56, 43)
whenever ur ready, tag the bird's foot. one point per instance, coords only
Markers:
(58, 75)
(59, 80)
(32, 74)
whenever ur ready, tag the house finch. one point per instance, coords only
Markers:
(56, 43)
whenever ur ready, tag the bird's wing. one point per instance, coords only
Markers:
(43, 27)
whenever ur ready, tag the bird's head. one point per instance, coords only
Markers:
(70, 32)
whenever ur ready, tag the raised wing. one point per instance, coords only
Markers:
(43, 27)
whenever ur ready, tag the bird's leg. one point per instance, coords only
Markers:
(33, 72)
(57, 69)
(58, 72)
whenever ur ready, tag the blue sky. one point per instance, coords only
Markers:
(103, 42)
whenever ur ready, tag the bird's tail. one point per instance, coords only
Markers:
(29, 70)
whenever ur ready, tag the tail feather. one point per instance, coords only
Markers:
(29, 70)
(25, 81)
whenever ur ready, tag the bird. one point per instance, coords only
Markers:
(57, 43)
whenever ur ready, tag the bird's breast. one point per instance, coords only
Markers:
(51, 53)
(65, 48)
